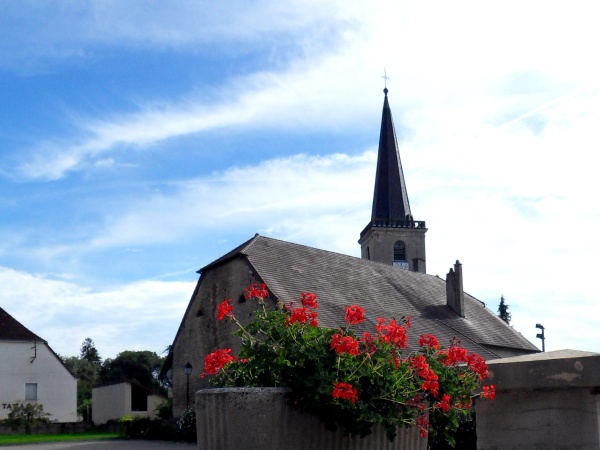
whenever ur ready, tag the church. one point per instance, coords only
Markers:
(389, 280)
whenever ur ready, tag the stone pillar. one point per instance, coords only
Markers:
(543, 401)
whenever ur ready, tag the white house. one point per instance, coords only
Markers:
(116, 399)
(30, 372)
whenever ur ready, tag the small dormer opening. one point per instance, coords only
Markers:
(400, 255)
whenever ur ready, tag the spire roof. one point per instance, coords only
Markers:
(390, 199)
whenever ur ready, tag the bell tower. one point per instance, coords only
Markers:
(392, 236)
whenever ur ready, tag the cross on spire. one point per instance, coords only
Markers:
(385, 78)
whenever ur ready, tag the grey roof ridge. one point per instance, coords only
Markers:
(231, 254)
(246, 245)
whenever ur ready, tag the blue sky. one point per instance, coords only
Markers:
(139, 141)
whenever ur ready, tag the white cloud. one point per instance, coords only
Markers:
(497, 110)
(142, 315)
(468, 64)
(285, 195)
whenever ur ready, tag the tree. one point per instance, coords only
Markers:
(88, 374)
(141, 366)
(503, 311)
(89, 352)
(86, 367)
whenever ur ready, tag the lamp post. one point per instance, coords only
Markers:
(541, 336)
(187, 369)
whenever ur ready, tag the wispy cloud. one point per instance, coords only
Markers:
(436, 83)
(292, 192)
(52, 32)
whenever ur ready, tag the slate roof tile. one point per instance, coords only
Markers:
(384, 291)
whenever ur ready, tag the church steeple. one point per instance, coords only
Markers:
(392, 236)
(390, 200)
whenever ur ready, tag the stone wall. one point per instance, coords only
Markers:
(258, 418)
(201, 333)
(544, 401)
(52, 428)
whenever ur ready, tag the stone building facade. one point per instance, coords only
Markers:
(388, 281)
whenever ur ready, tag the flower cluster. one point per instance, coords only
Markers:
(215, 361)
(344, 344)
(346, 380)
(344, 391)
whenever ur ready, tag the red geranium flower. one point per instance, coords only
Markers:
(478, 365)
(355, 314)
(257, 290)
(302, 315)
(345, 391)
(344, 344)
(392, 333)
(454, 355)
(224, 309)
(422, 369)
(309, 300)
(423, 425)
(488, 392)
(215, 361)
(429, 340)
(369, 341)
(444, 404)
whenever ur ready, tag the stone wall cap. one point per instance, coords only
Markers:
(556, 354)
(551, 370)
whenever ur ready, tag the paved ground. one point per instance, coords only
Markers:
(116, 444)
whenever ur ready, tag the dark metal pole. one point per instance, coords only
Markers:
(187, 393)
(187, 369)
(541, 336)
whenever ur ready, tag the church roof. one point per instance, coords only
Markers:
(390, 199)
(11, 329)
(383, 290)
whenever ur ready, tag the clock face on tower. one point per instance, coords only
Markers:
(401, 264)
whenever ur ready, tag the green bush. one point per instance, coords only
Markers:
(164, 410)
(125, 426)
(186, 425)
(28, 417)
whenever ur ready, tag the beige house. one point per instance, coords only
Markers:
(30, 372)
(113, 400)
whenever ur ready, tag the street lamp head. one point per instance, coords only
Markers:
(537, 325)
(187, 369)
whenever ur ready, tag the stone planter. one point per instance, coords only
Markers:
(258, 418)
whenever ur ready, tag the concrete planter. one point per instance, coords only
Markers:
(258, 418)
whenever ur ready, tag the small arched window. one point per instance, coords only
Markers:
(400, 255)
(399, 251)
(368, 253)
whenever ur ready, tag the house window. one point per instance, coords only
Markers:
(31, 394)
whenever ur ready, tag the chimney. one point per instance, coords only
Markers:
(455, 296)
